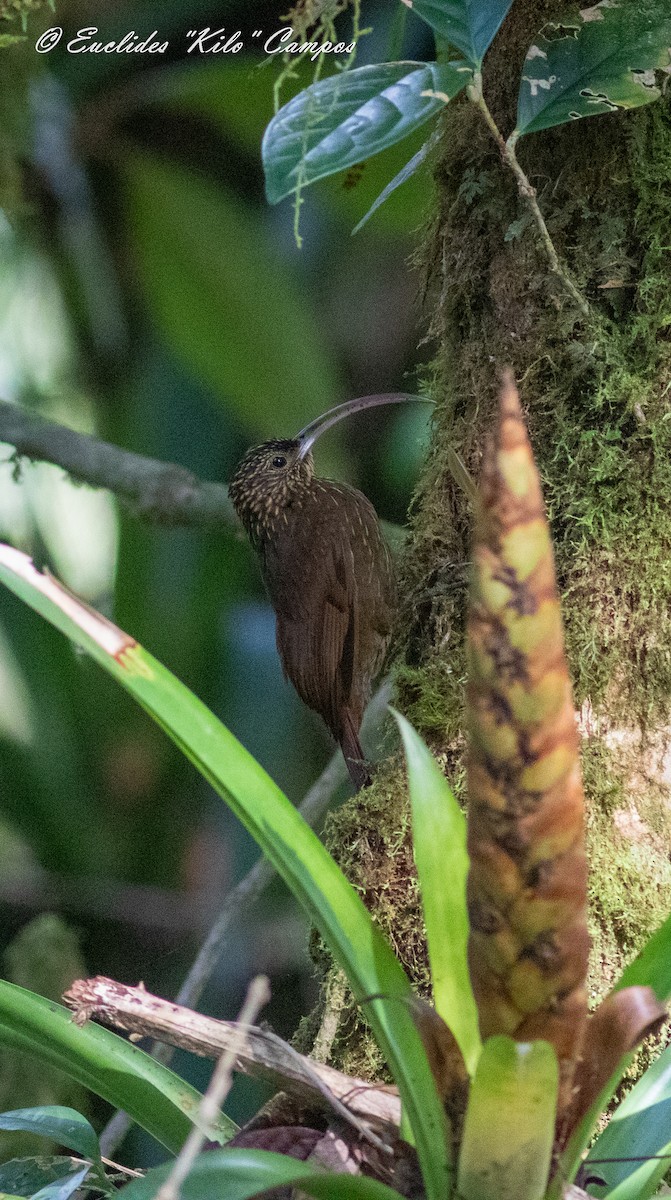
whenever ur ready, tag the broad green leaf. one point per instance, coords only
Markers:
(240, 1174)
(348, 117)
(439, 844)
(510, 1119)
(293, 848)
(25, 1176)
(651, 968)
(596, 62)
(63, 1125)
(469, 25)
(107, 1064)
(63, 1187)
(226, 303)
(639, 1129)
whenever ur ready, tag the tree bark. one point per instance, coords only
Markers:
(595, 393)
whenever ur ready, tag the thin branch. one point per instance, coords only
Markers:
(219, 1086)
(313, 807)
(264, 1055)
(527, 192)
(157, 491)
(244, 895)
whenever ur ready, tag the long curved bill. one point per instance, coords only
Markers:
(308, 436)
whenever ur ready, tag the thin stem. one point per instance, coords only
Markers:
(241, 898)
(218, 1089)
(526, 191)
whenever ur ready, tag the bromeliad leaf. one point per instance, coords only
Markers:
(630, 1153)
(126, 1076)
(470, 25)
(351, 116)
(600, 61)
(439, 842)
(509, 1128)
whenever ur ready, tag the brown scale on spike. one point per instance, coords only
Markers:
(527, 883)
(328, 573)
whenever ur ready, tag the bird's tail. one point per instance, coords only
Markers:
(350, 745)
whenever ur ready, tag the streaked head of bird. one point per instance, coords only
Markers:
(268, 480)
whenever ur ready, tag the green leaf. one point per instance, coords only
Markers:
(510, 1119)
(651, 968)
(293, 848)
(439, 843)
(470, 25)
(240, 1174)
(639, 1129)
(107, 1064)
(63, 1187)
(227, 305)
(348, 117)
(597, 62)
(25, 1176)
(63, 1125)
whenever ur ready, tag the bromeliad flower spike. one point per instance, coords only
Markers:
(328, 573)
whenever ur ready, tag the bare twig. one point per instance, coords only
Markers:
(157, 491)
(246, 893)
(258, 995)
(264, 1055)
(527, 192)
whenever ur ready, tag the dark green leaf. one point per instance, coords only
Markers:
(63, 1125)
(597, 62)
(63, 1187)
(25, 1176)
(227, 305)
(348, 117)
(469, 25)
(640, 1128)
(241, 1174)
(510, 1120)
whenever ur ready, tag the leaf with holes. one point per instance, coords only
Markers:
(348, 117)
(600, 61)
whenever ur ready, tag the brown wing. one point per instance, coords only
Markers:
(330, 580)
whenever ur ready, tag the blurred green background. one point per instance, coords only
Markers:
(150, 295)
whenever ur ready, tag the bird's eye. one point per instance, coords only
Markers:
(279, 461)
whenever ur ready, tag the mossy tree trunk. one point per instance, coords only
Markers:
(596, 393)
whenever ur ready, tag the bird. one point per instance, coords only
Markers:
(328, 573)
